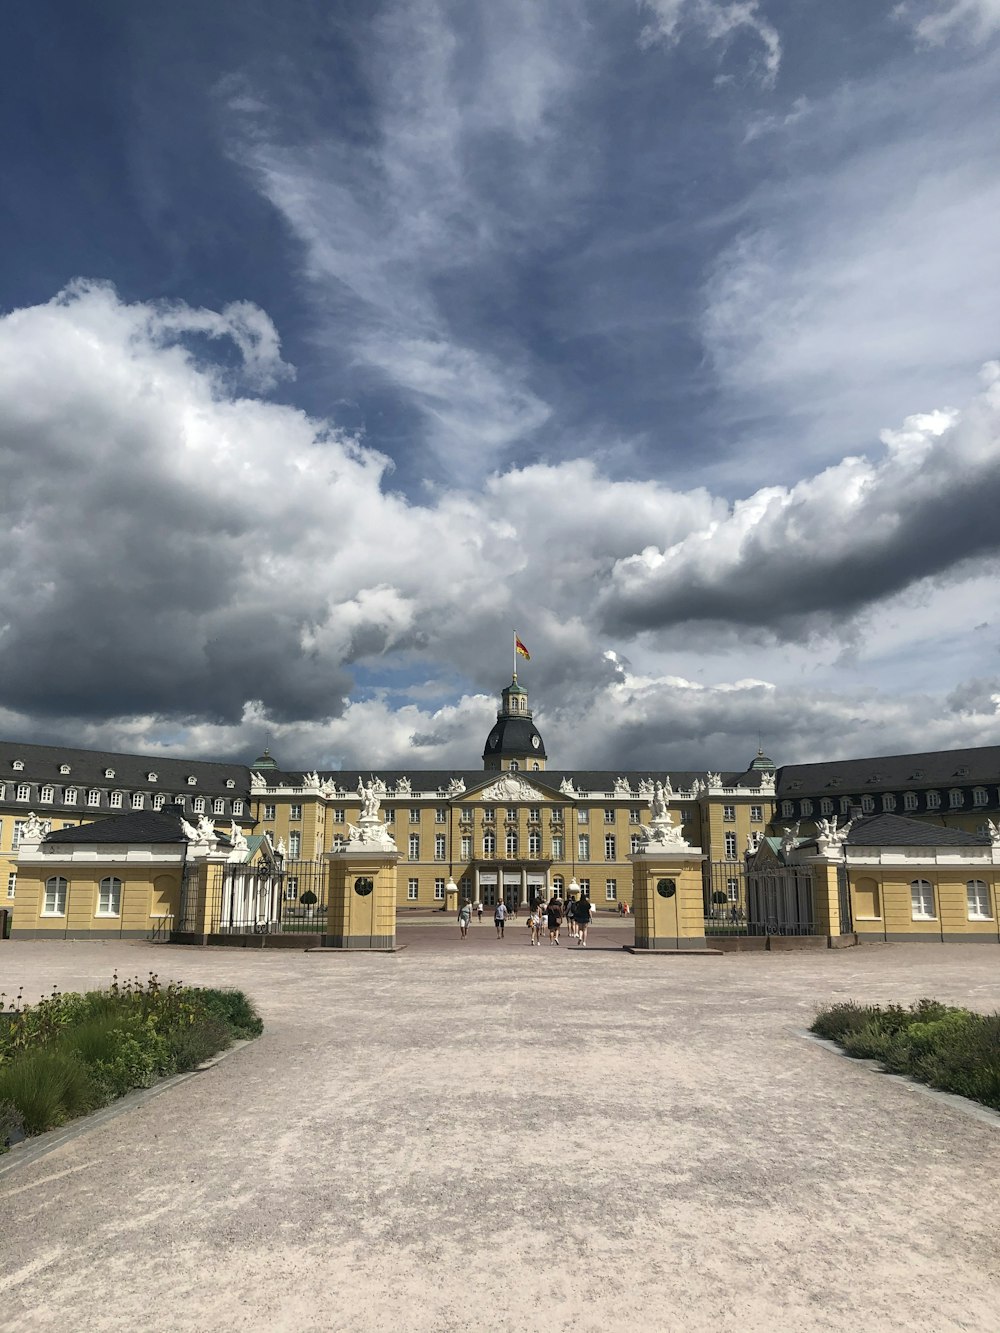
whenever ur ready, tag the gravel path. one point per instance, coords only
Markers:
(499, 1137)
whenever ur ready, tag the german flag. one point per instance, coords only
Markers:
(520, 649)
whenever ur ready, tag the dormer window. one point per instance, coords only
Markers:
(795, 786)
(836, 782)
(47, 794)
(109, 772)
(64, 769)
(962, 772)
(980, 796)
(192, 780)
(230, 783)
(18, 765)
(917, 774)
(116, 800)
(875, 777)
(151, 777)
(956, 798)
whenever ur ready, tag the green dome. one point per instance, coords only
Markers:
(762, 763)
(265, 761)
(514, 688)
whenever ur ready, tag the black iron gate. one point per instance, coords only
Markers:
(776, 900)
(258, 900)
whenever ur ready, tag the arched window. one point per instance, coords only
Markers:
(536, 768)
(514, 765)
(109, 899)
(826, 806)
(909, 800)
(868, 804)
(787, 809)
(978, 898)
(922, 900)
(198, 805)
(511, 844)
(534, 845)
(54, 903)
(138, 800)
(980, 796)
(888, 801)
(806, 806)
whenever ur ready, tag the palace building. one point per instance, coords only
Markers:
(100, 844)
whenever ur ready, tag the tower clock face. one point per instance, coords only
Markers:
(535, 742)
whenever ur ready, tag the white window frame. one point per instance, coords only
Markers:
(920, 891)
(732, 851)
(956, 799)
(12, 884)
(888, 802)
(440, 814)
(219, 806)
(93, 797)
(757, 813)
(534, 845)
(412, 890)
(611, 890)
(138, 800)
(977, 900)
(489, 845)
(413, 847)
(294, 845)
(69, 796)
(980, 796)
(109, 896)
(910, 801)
(583, 847)
(868, 804)
(933, 800)
(439, 890)
(583, 814)
(24, 791)
(47, 794)
(511, 843)
(610, 847)
(59, 885)
(440, 847)
(787, 809)
(291, 888)
(295, 812)
(825, 808)
(15, 840)
(414, 814)
(466, 847)
(635, 843)
(158, 800)
(557, 847)
(609, 815)
(198, 805)
(116, 800)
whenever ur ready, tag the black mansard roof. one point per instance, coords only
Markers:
(42, 764)
(142, 826)
(897, 772)
(437, 780)
(895, 831)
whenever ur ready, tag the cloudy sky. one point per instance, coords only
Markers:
(340, 338)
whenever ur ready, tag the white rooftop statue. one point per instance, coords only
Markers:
(33, 829)
(404, 787)
(567, 788)
(238, 838)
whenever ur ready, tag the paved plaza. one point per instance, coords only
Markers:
(490, 1136)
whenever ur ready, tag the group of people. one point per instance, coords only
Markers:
(577, 914)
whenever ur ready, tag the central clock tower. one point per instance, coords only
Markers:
(515, 742)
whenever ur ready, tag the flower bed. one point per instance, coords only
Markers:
(951, 1049)
(70, 1054)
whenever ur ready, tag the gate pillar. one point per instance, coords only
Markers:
(362, 902)
(826, 893)
(667, 899)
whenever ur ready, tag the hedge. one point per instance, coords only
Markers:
(949, 1048)
(70, 1054)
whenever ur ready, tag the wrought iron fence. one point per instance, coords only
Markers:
(778, 900)
(256, 900)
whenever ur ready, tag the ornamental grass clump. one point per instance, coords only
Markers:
(949, 1048)
(70, 1054)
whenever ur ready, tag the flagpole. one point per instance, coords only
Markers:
(514, 656)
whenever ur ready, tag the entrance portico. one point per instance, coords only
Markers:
(516, 882)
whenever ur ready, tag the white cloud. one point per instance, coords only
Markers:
(191, 568)
(715, 21)
(934, 21)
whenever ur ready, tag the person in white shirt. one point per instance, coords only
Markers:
(500, 917)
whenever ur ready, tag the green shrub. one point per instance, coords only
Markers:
(869, 1042)
(192, 1046)
(834, 1023)
(48, 1087)
(232, 1007)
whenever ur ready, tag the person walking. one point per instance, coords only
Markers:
(571, 914)
(553, 919)
(464, 917)
(500, 917)
(583, 915)
(479, 909)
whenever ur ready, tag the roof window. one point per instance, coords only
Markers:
(151, 777)
(192, 780)
(109, 772)
(18, 765)
(65, 768)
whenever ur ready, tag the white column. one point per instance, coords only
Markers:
(524, 887)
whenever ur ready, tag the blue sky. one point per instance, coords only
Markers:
(362, 333)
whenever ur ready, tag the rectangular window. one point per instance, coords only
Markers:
(635, 843)
(292, 889)
(116, 800)
(388, 815)
(729, 813)
(439, 890)
(825, 807)
(295, 812)
(137, 800)
(634, 816)
(933, 800)
(412, 887)
(218, 805)
(414, 847)
(47, 794)
(582, 814)
(609, 816)
(23, 791)
(610, 847)
(489, 814)
(16, 839)
(611, 890)
(440, 847)
(109, 897)
(922, 900)
(338, 814)
(910, 800)
(294, 844)
(54, 902)
(414, 814)
(980, 796)
(269, 812)
(978, 896)
(956, 799)
(534, 813)
(440, 815)
(198, 804)
(757, 814)
(888, 801)
(69, 796)
(583, 847)
(557, 847)
(467, 847)
(158, 800)
(805, 807)
(237, 806)
(585, 887)
(787, 807)
(733, 889)
(489, 844)
(730, 846)
(511, 844)
(12, 884)
(534, 845)
(557, 815)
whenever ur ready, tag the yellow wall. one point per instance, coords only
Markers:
(148, 894)
(886, 890)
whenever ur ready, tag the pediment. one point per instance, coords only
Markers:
(509, 789)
